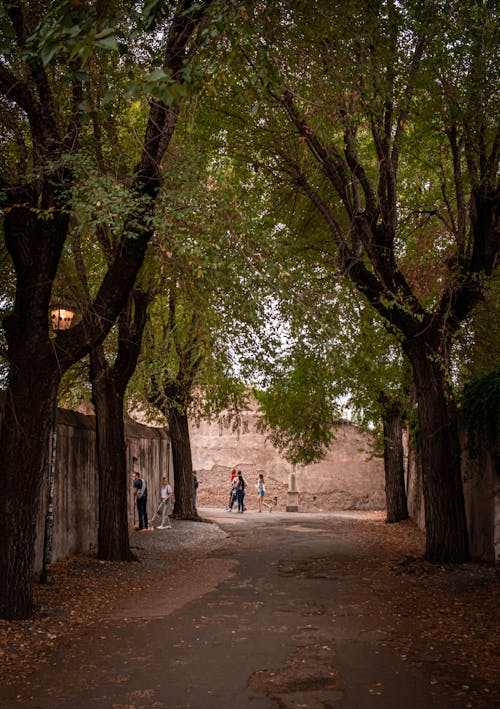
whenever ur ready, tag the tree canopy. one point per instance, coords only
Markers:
(336, 173)
(392, 139)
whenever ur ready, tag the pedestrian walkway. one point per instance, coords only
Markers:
(280, 616)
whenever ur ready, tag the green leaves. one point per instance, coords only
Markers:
(105, 39)
(160, 84)
(299, 409)
(70, 32)
(154, 12)
(480, 404)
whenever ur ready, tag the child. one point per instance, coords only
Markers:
(271, 504)
(261, 491)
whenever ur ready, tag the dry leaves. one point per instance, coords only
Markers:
(443, 619)
(84, 588)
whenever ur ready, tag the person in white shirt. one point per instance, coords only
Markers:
(167, 496)
(261, 490)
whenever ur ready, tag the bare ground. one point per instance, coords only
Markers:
(443, 619)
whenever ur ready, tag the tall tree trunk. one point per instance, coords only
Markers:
(445, 519)
(183, 466)
(35, 225)
(395, 492)
(109, 383)
(113, 536)
(24, 443)
(34, 375)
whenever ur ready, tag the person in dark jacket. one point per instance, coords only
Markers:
(141, 497)
(240, 492)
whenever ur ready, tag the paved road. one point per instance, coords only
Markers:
(271, 620)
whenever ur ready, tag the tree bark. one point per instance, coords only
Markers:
(439, 450)
(109, 384)
(395, 492)
(35, 369)
(36, 217)
(24, 442)
(107, 397)
(184, 507)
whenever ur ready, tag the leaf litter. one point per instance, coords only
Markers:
(441, 618)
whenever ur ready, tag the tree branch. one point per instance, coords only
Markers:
(75, 121)
(40, 111)
(120, 276)
(386, 291)
(335, 168)
(163, 118)
(22, 164)
(14, 89)
(359, 173)
(459, 224)
(416, 60)
(80, 263)
(131, 324)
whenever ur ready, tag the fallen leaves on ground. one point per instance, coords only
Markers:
(441, 618)
(83, 590)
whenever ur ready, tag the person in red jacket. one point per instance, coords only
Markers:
(232, 490)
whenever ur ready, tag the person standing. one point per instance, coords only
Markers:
(195, 485)
(141, 497)
(261, 490)
(232, 491)
(167, 497)
(240, 492)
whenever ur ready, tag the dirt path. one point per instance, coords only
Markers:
(293, 611)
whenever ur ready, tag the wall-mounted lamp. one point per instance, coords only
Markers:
(61, 318)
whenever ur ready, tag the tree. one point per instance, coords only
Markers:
(298, 408)
(113, 362)
(171, 393)
(395, 489)
(209, 294)
(377, 381)
(109, 383)
(383, 117)
(43, 121)
(339, 357)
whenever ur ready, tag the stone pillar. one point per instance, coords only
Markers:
(292, 498)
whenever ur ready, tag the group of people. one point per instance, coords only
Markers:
(167, 498)
(166, 505)
(237, 491)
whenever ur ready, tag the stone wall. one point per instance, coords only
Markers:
(349, 477)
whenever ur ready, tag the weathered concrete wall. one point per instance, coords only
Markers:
(482, 501)
(348, 478)
(75, 490)
(150, 447)
(75, 500)
(481, 475)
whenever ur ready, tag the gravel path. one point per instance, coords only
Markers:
(185, 536)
